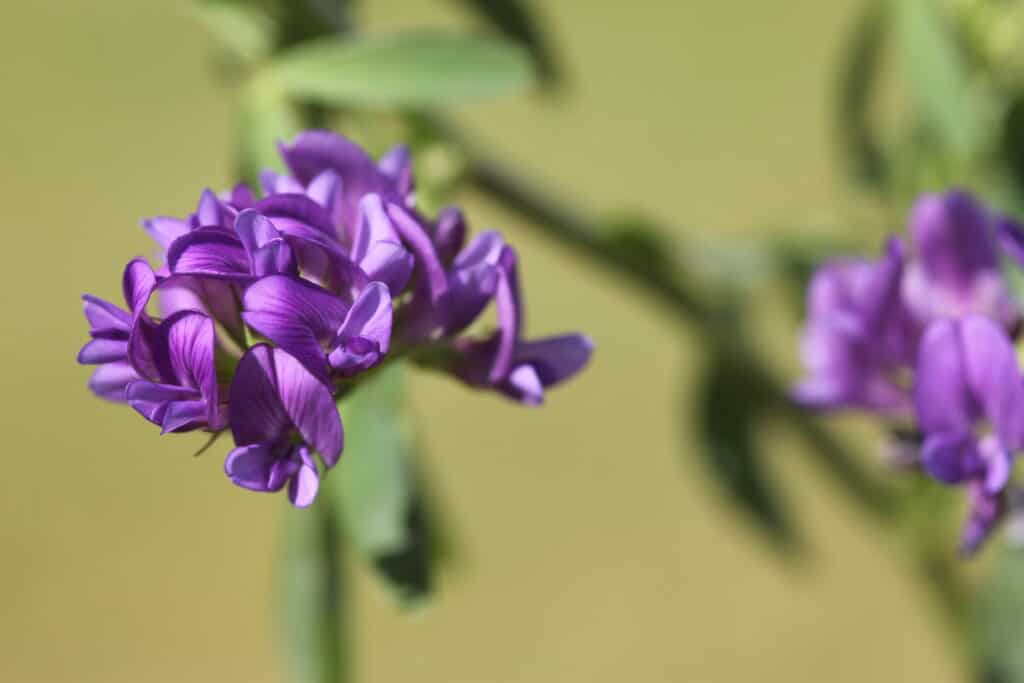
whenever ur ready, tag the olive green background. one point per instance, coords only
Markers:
(590, 545)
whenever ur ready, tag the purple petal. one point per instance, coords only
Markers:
(1011, 238)
(941, 393)
(99, 351)
(305, 482)
(450, 233)
(377, 247)
(998, 464)
(416, 237)
(275, 183)
(313, 152)
(257, 415)
(985, 512)
(951, 232)
(297, 214)
(255, 467)
(950, 457)
(241, 197)
(994, 378)
(138, 283)
(269, 254)
(310, 406)
(210, 212)
(104, 317)
(369, 317)
(190, 341)
(296, 315)
(111, 380)
(209, 253)
(507, 301)
(524, 384)
(396, 166)
(555, 359)
(326, 190)
(164, 229)
(182, 416)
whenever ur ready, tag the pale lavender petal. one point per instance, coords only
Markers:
(209, 212)
(326, 190)
(109, 381)
(377, 247)
(998, 464)
(525, 385)
(305, 482)
(104, 317)
(396, 165)
(164, 229)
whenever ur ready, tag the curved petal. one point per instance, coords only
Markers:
(310, 406)
(138, 283)
(99, 351)
(508, 303)
(369, 318)
(296, 315)
(104, 317)
(941, 392)
(555, 359)
(209, 253)
(415, 236)
(449, 233)
(211, 212)
(183, 416)
(110, 381)
(326, 190)
(257, 415)
(303, 486)
(994, 377)
(164, 229)
(396, 165)
(951, 457)
(253, 467)
(190, 340)
(297, 213)
(524, 385)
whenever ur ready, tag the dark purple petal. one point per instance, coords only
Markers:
(419, 241)
(951, 457)
(952, 235)
(257, 415)
(941, 392)
(297, 214)
(555, 359)
(313, 152)
(109, 381)
(507, 301)
(209, 253)
(257, 467)
(164, 229)
(310, 406)
(190, 340)
(296, 315)
(182, 416)
(1011, 238)
(450, 233)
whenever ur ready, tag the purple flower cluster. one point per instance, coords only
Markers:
(271, 303)
(924, 336)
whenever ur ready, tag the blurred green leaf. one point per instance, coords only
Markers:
(729, 407)
(518, 20)
(383, 502)
(1012, 144)
(858, 85)
(640, 242)
(998, 620)
(265, 117)
(243, 28)
(937, 76)
(314, 598)
(405, 69)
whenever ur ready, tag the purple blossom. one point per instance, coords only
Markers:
(288, 295)
(969, 398)
(280, 416)
(859, 342)
(956, 270)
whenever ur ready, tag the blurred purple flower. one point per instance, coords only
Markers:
(859, 342)
(956, 268)
(969, 398)
(280, 416)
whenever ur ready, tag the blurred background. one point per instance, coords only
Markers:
(590, 546)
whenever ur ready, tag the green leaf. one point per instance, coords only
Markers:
(518, 21)
(243, 28)
(315, 618)
(940, 90)
(383, 500)
(406, 69)
(858, 86)
(998, 620)
(729, 406)
(265, 117)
